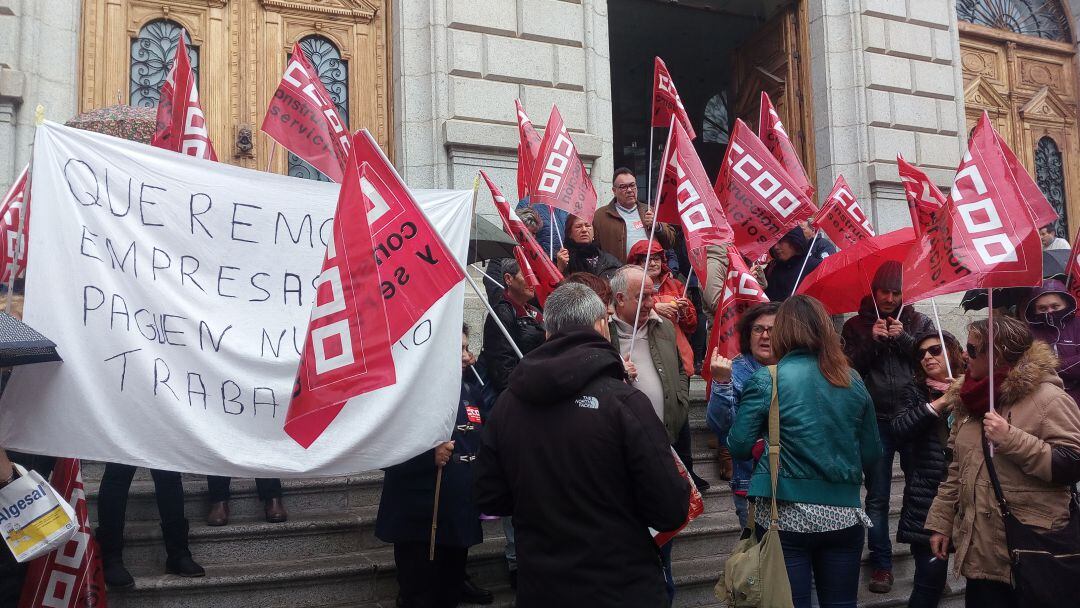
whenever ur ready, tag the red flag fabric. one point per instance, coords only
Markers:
(71, 576)
(1072, 269)
(666, 101)
(181, 125)
(841, 217)
(923, 196)
(696, 507)
(302, 118)
(415, 266)
(772, 133)
(987, 234)
(684, 195)
(526, 268)
(559, 178)
(843, 278)
(347, 348)
(528, 148)
(544, 270)
(13, 252)
(741, 291)
(758, 196)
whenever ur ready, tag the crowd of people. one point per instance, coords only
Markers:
(571, 443)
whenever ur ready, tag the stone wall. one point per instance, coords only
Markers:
(39, 43)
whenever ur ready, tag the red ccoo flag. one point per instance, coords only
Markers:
(987, 233)
(684, 195)
(546, 273)
(71, 576)
(558, 177)
(13, 252)
(841, 217)
(181, 125)
(666, 101)
(347, 348)
(760, 199)
(302, 118)
(923, 196)
(741, 291)
(1072, 269)
(772, 133)
(528, 149)
(415, 266)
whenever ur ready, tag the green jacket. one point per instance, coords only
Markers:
(665, 356)
(828, 434)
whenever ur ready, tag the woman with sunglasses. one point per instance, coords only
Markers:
(1034, 428)
(921, 430)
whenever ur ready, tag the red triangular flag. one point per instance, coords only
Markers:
(528, 149)
(71, 576)
(302, 118)
(559, 178)
(347, 348)
(759, 198)
(181, 125)
(841, 218)
(741, 291)
(16, 240)
(987, 233)
(923, 196)
(546, 273)
(771, 132)
(666, 101)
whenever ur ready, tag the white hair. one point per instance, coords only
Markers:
(621, 281)
(572, 305)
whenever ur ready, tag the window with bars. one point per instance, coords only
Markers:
(1050, 175)
(152, 54)
(1041, 18)
(333, 71)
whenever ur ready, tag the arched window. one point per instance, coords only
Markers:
(1040, 18)
(152, 54)
(1050, 175)
(716, 126)
(325, 57)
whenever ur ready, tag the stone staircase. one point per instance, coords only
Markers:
(327, 554)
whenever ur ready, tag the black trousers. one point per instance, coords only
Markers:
(683, 448)
(988, 594)
(219, 488)
(430, 584)
(112, 509)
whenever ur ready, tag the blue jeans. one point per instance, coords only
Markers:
(930, 577)
(878, 487)
(828, 561)
(510, 549)
(669, 580)
(742, 509)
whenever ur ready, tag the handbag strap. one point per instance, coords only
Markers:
(994, 481)
(774, 449)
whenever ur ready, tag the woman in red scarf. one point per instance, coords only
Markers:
(669, 297)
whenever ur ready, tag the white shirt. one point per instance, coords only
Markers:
(635, 229)
(648, 379)
(1059, 243)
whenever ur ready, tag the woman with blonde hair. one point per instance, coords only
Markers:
(828, 430)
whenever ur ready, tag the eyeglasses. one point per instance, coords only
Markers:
(758, 330)
(972, 351)
(935, 351)
(626, 187)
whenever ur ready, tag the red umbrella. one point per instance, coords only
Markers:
(843, 279)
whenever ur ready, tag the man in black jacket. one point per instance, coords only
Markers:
(521, 319)
(580, 460)
(879, 341)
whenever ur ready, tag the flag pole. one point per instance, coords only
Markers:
(648, 178)
(270, 161)
(990, 349)
(435, 515)
(648, 249)
(551, 233)
(941, 337)
(477, 374)
(809, 252)
(488, 276)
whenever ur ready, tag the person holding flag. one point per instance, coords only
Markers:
(580, 252)
(670, 302)
(626, 219)
(791, 261)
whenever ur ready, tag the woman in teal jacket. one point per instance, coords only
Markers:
(828, 434)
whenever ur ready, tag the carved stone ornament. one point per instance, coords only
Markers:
(359, 10)
(245, 142)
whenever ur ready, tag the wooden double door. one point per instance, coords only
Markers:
(1028, 86)
(239, 49)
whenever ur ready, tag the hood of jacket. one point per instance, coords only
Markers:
(1056, 319)
(562, 366)
(1037, 365)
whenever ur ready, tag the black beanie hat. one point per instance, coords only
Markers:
(889, 276)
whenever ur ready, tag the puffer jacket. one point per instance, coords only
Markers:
(1061, 330)
(1042, 417)
(926, 436)
(886, 366)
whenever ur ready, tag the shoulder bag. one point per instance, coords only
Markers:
(755, 574)
(1045, 563)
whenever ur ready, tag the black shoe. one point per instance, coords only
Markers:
(116, 575)
(513, 580)
(184, 566)
(471, 594)
(701, 484)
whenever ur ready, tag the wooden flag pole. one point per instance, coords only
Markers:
(435, 514)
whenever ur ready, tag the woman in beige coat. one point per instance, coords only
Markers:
(1035, 432)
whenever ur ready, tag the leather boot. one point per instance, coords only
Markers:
(723, 456)
(275, 511)
(111, 543)
(178, 556)
(219, 514)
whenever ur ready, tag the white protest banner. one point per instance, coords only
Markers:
(179, 292)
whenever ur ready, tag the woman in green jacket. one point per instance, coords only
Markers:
(828, 434)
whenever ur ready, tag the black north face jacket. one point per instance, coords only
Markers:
(581, 461)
